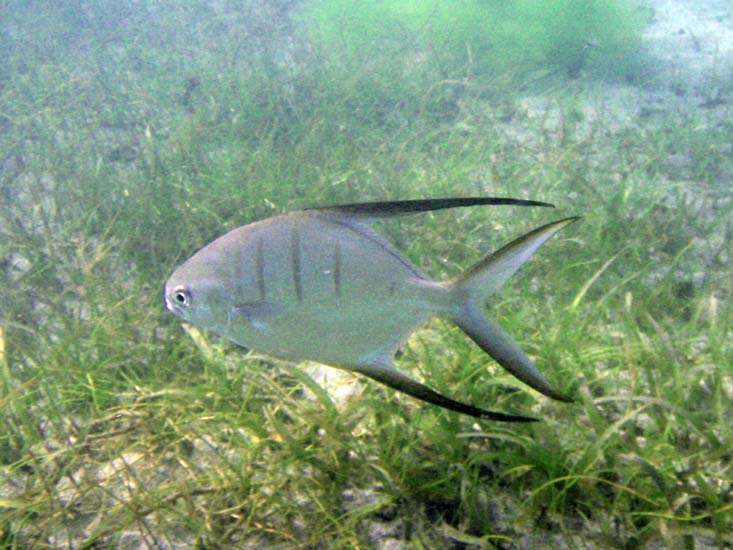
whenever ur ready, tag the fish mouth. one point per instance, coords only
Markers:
(166, 299)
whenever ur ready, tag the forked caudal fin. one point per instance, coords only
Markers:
(487, 276)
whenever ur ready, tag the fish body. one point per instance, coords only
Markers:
(321, 285)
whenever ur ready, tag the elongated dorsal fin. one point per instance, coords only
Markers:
(386, 209)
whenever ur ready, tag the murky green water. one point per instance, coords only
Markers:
(133, 133)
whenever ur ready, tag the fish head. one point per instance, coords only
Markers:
(200, 291)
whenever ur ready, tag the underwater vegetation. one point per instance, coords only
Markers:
(132, 134)
(489, 40)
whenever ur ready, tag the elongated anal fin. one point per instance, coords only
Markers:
(385, 209)
(389, 376)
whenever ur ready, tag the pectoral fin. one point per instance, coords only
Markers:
(258, 314)
(389, 376)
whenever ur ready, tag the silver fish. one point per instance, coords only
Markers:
(319, 284)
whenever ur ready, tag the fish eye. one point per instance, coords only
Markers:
(182, 296)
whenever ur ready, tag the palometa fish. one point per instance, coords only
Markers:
(321, 285)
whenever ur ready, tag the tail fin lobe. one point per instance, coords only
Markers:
(499, 345)
(489, 275)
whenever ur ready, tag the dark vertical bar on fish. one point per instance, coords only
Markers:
(240, 279)
(260, 266)
(295, 261)
(337, 268)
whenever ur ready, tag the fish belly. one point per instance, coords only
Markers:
(351, 334)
